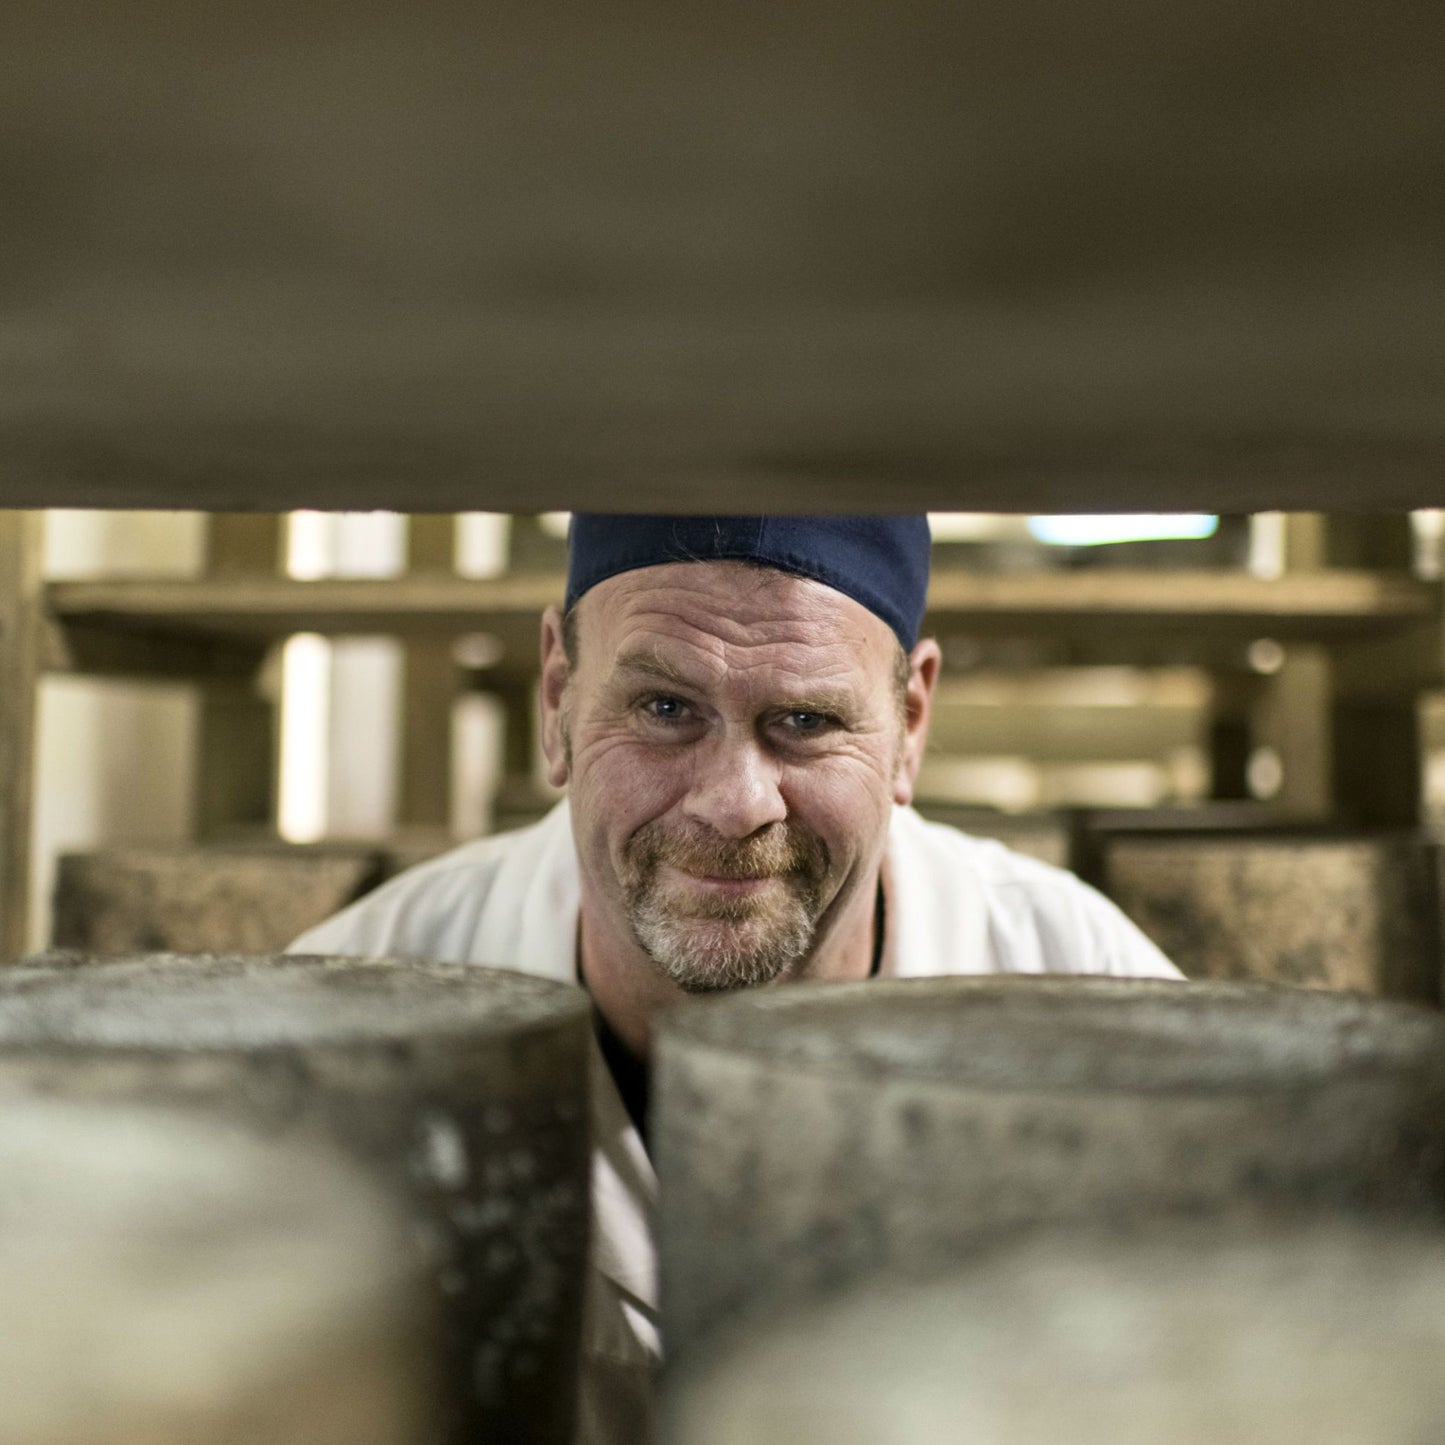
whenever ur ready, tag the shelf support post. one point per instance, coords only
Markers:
(236, 776)
(431, 680)
(1378, 760)
(22, 536)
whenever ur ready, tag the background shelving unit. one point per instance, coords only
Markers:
(1355, 647)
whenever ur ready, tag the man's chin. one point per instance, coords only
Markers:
(718, 956)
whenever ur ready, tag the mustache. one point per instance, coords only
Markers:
(781, 850)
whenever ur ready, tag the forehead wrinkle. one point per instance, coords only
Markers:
(738, 597)
(708, 628)
(722, 643)
(699, 624)
(728, 634)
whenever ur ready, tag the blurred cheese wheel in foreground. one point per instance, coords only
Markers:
(1328, 1336)
(810, 1136)
(166, 1280)
(461, 1090)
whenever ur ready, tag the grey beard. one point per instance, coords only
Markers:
(716, 953)
(705, 946)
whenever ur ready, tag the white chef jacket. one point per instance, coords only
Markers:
(955, 905)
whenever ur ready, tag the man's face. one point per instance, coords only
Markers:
(732, 739)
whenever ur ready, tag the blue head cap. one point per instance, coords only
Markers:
(881, 562)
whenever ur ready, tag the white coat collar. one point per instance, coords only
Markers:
(936, 924)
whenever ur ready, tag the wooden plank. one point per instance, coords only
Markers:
(1346, 725)
(1293, 717)
(238, 739)
(835, 254)
(1314, 601)
(519, 800)
(236, 777)
(431, 679)
(1318, 604)
(430, 682)
(241, 544)
(1378, 763)
(274, 607)
(1371, 539)
(1403, 664)
(21, 544)
(1062, 733)
(100, 651)
(1382, 541)
(1230, 741)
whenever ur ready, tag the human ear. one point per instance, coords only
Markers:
(923, 667)
(555, 673)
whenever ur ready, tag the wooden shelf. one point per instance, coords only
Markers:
(176, 626)
(1340, 708)
(1320, 604)
(263, 608)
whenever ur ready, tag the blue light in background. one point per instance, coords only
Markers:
(1138, 527)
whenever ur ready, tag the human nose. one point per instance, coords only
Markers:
(735, 788)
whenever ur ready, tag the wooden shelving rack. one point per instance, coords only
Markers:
(1364, 642)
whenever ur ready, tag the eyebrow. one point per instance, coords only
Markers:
(648, 664)
(832, 701)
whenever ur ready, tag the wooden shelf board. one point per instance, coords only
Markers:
(1316, 604)
(268, 607)
(255, 611)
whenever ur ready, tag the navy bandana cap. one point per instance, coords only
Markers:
(880, 562)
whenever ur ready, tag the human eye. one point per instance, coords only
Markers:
(801, 722)
(665, 709)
